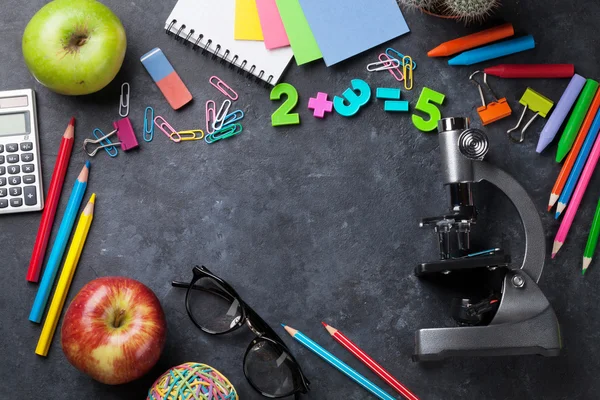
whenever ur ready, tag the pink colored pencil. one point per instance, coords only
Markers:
(582, 185)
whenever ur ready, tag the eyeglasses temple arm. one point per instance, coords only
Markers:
(179, 284)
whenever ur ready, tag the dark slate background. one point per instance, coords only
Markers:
(309, 223)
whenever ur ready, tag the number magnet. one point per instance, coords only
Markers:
(356, 96)
(283, 115)
(427, 104)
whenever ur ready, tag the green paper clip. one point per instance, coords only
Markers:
(539, 104)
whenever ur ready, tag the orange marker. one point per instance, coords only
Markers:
(561, 181)
(474, 40)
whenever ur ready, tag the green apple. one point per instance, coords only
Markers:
(74, 47)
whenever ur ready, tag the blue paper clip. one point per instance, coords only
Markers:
(148, 124)
(233, 117)
(398, 56)
(111, 150)
(231, 130)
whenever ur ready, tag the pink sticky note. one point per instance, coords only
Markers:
(272, 27)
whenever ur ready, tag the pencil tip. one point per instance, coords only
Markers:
(583, 272)
(88, 164)
(553, 255)
(557, 215)
(93, 198)
(324, 324)
(72, 121)
(283, 325)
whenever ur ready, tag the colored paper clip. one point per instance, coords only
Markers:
(104, 139)
(383, 65)
(223, 87)
(191, 134)
(398, 56)
(227, 132)
(233, 117)
(148, 124)
(167, 129)
(539, 104)
(396, 73)
(220, 117)
(125, 133)
(211, 111)
(407, 71)
(493, 111)
(124, 100)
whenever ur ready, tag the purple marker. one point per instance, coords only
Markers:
(560, 112)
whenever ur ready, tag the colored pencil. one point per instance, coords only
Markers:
(66, 277)
(56, 185)
(337, 363)
(592, 241)
(559, 185)
(518, 71)
(581, 107)
(369, 362)
(565, 196)
(560, 112)
(471, 41)
(493, 51)
(588, 171)
(60, 243)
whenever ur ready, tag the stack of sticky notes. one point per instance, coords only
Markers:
(315, 29)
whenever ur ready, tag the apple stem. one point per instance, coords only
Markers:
(118, 318)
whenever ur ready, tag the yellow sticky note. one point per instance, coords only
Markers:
(247, 22)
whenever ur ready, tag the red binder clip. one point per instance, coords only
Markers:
(493, 111)
(125, 133)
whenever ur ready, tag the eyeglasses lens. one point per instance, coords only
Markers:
(212, 307)
(270, 369)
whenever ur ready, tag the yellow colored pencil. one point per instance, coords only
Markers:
(66, 277)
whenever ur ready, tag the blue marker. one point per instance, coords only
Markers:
(582, 157)
(58, 249)
(493, 51)
(339, 364)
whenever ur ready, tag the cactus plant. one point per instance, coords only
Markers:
(420, 4)
(469, 10)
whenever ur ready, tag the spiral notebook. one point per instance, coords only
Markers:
(209, 26)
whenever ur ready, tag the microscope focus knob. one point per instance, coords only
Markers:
(473, 144)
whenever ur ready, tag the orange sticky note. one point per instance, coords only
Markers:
(247, 22)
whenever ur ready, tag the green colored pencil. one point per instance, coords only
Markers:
(590, 247)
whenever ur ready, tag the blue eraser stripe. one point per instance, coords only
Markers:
(157, 64)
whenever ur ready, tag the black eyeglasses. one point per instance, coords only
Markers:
(215, 307)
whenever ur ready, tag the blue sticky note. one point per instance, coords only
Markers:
(345, 29)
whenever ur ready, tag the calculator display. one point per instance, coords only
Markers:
(13, 124)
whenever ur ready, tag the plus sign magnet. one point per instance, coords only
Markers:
(320, 105)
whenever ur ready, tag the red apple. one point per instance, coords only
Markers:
(114, 330)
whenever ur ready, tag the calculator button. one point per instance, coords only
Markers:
(27, 168)
(2, 170)
(2, 181)
(29, 179)
(18, 202)
(1, 160)
(15, 191)
(27, 157)
(12, 158)
(3, 192)
(14, 180)
(3, 203)
(1, 148)
(14, 169)
(30, 195)
(12, 147)
(26, 146)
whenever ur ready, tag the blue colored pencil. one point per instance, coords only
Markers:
(339, 364)
(60, 243)
(493, 51)
(582, 157)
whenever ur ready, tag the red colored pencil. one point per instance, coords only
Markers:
(369, 362)
(56, 185)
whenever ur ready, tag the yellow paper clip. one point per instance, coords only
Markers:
(191, 134)
(407, 71)
(539, 104)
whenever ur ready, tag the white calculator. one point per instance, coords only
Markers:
(21, 187)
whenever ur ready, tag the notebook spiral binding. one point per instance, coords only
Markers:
(216, 53)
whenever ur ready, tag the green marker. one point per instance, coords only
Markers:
(581, 108)
(590, 247)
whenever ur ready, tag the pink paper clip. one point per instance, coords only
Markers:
(163, 125)
(211, 115)
(125, 134)
(394, 71)
(223, 87)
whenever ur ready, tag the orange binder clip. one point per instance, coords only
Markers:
(493, 111)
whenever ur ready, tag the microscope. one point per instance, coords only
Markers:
(513, 317)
